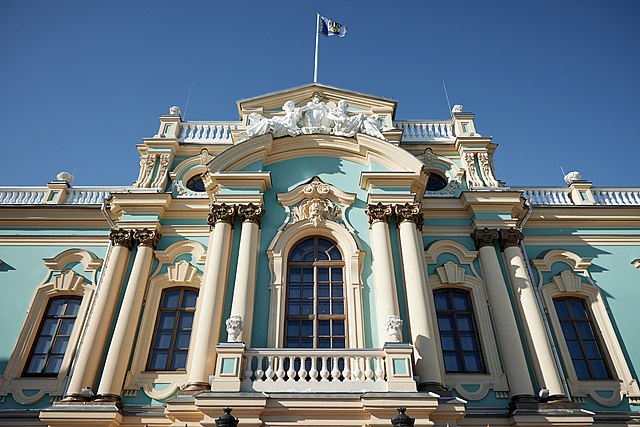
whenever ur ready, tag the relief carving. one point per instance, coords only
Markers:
(221, 213)
(146, 237)
(121, 237)
(473, 179)
(487, 170)
(317, 211)
(510, 237)
(379, 213)
(485, 237)
(147, 165)
(161, 177)
(251, 213)
(410, 212)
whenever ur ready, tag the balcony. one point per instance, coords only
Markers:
(313, 370)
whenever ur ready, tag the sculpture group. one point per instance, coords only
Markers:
(314, 117)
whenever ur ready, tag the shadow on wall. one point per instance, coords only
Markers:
(5, 267)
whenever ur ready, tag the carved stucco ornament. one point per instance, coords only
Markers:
(147, 165)
(317, 211)
(394, 328)
(485, 237)
(234, 326)
(486, 166)
(410, 212)
(473, 178)
(510, 237)
(379, 213)
(146, 237)
(221, 213)
(121, 237)
(251, 213)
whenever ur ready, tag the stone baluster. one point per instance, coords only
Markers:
(410, 219)
(210, 301)
(119, 351)
(86, 365)
(385, 284)
(244, 289)
(504, 320)
(531, 316)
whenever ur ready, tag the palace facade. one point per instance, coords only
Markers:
(319, 263)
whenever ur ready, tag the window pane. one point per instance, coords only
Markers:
(49, 327)
(43, 345)
(568, 331)
(442, 301)
(307, 291)
(166, 320)
(324, 342)
(574, 350)
(591, 349)
(448, 342)
(163, 340)
(337, 306)
(179, 360)
(54, 364)
(468, 342)
(56, 307)
(171, 299)
(464, 322)
(598, 369)
(295, 274)
(294, 307)
(334, 253)
(182, 339)
(445, 323)
(72, 308)
(306, 342)
(324, 306)
(324, 327)
(293, 328)
(60, 345)
(339, 343)
(337, 290)
(577, 309)
(159, 360)
(338, 327)
(294, 290)
(186, 321)
(307, 307)
(461, 301)
(581, 369)
(472, 362)
(336, 274)
(451, 362)
(584, 330)
(189, 300)
(66, 326)
(307, 275)
(323, 274)
(323, 291)
(561, 309)
(307, 328)
(37, 364)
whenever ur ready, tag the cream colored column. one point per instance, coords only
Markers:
(384, 277)
(86, 365)
(211, 299)
(425, 353)
(244, 289)
(504, 320)
(119, 352)
(531, 317)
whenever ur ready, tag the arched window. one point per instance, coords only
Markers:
(315, 302)
(172, 333)
(581, 338)
(53, 337)
(458, 332)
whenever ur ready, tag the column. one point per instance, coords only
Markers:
(211, 298)
(87, 361)
(244, 289)
(389, 324)
(410, 220)
(504, 320)
(119, 352)
(531, 316)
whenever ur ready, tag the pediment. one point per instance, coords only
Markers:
(270, 104)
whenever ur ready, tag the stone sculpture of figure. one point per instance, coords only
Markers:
(394, 328)
(234, 327)
(372, 126)
(345, 125)
(315, 118)
(286, 125)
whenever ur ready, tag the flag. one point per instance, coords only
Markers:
(330, 28)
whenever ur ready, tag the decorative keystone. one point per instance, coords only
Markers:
(485, 237)
(379, 213)
(121, 237)
(251, 213)
(146, 237)
(221, 213)
(410, 212)
(510, 237)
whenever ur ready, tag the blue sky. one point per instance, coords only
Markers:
(556, 83)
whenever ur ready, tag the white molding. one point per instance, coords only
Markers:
(623, 383)
(56, 283)
(182, 247)
(278, 253)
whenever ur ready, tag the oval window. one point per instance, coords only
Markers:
(436, 182)
(196, 184)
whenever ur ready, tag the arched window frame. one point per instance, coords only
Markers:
(59, 281)
(455, 275)
(278, 254)
(161, 385)
(575, 281)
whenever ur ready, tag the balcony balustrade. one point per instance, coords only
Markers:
(313, 370)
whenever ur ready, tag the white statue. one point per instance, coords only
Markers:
(394, 328)
(234, 327)
(315, 118)
(372, 126)
(345, 125)
(286, 125)
(457, 108)
(572, 176)
(174, 110)
(65, 176)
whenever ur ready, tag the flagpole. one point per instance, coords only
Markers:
(315, 68)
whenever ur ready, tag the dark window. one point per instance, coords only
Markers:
(436, 182)
(196, 184)
(315, 315)
(53, 337)
(458, 333)
(170, 344)
(579, 333)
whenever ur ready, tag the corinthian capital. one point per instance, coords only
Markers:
(410, 212)
(146, 237)
(251, 213)
(485, 237)
(221, 213)
(379, 213)
(510, 237)
(121, 237)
